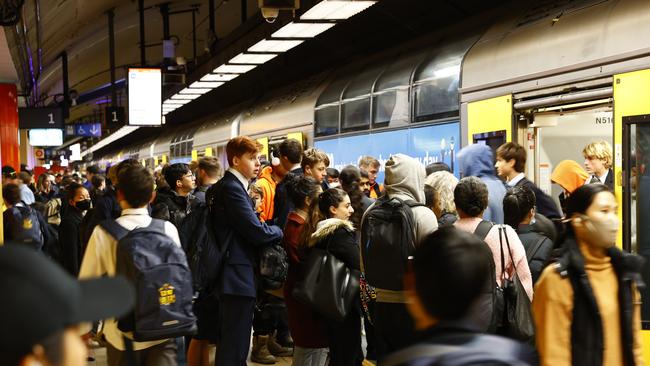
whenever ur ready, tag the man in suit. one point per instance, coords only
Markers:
(510, 164)
(598, 163)
(241, 233)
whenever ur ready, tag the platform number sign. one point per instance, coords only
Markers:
(114, 117)
(29, 118)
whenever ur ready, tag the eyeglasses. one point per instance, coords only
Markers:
(189, 175)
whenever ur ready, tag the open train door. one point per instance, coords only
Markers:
(490, 121)
(632, 173)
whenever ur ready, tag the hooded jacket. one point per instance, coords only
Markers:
(337, 237)
(404, 179)
(266, 182)
(477, 160)
(569, 175)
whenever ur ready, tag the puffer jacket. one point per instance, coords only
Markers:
(170, 206)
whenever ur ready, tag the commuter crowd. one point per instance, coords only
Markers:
(303, 260)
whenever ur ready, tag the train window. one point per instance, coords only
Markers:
(327, 120)
(636, 229)
(362, 83)
(436, 99)
(399, 73)
(332, 94)
(355, 114)
(390, 107)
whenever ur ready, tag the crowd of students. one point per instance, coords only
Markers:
(487, 269)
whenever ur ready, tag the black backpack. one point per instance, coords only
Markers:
(158, 269)
(387, 240)
(24, 226)
(272, 266)
(204, 253)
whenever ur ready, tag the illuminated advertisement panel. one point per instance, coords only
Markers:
(145, 97)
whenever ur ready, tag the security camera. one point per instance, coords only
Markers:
(270, 14)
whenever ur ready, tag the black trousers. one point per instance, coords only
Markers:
(270, 315)
(345, 341)
(235, 323)
(394, 328)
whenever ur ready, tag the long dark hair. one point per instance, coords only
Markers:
(318, 211)
(578, 203)
(350, 177)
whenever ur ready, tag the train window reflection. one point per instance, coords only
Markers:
(327, 120)
(436, 99)
(355, 114)
(390, 107)
(639, 203)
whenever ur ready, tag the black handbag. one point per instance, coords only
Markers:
(517, 320)
(329, 286)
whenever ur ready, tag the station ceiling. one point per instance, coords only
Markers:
(80, 28)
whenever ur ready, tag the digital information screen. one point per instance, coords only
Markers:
(46, 137)
(145, 97)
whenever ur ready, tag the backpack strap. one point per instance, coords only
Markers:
(429, 351)
(412, 203)
(483, 229)
(534, 248)
(157, 225)
(116, 230)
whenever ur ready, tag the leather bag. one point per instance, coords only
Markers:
(329, 286)
(517, 318)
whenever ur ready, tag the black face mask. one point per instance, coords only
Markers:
(82, 205)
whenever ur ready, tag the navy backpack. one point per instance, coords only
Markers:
(158, 269)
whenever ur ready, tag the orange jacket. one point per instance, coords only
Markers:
(266, 182)
(374, 188)
(569, 175)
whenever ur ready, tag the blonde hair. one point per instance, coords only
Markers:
(443, 184)
(313, 156)
(599, 150)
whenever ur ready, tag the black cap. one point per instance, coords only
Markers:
(39, 298)
(8, 171)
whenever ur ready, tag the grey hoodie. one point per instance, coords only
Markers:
(405, 180)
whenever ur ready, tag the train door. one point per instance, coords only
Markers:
(632, 136)
(560, 133)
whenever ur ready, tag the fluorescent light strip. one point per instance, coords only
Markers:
(110, 138)
(206, 84)
(218, 77)
(185, 96)
(194, 91)
(274, 45)
(251, 58)
(234, 69)
(302, 30)
(175, 102)
(336, 10)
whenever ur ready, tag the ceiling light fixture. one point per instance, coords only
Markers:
(175, 102)
(206, 84)
(302, 30)
(234, 69)
(274, 45)
(185, 96)
(336, 9)
(219, 77)
(195, 91)
(251, 58)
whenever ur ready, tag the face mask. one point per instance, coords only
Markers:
(83, 205)
(600, 233)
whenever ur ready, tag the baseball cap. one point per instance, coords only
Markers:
(39, 298)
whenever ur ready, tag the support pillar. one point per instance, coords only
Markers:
(9, 126)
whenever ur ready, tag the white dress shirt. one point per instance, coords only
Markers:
(513, 182)
(99, 260)
(240, 177)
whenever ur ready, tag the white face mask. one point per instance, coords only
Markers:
(600, 233)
